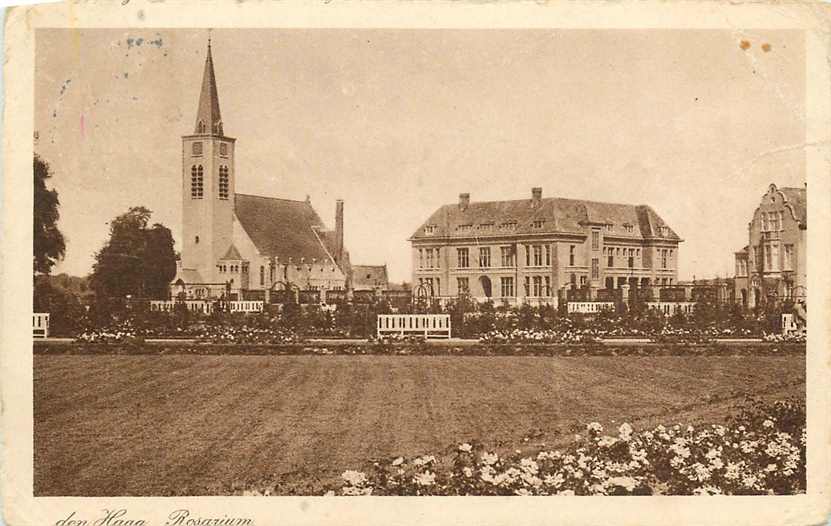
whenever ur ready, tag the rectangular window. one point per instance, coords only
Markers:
(537, 286)
(611, 261)
(571, 255)
(768, 260)
(420, 258)
(527, 286)
(436, 261)
(547, 255)
(547, 289)
(595, 268)
(463, 285)
(537, 224)
(537, 255)
(595, 240)
(262, 275)
(223, 149)
(197, 148)
(507, 284)
(507, 254)
(437, 289)
(583, 281)
(788, 263)
(484, 257)
(774, 256)
(429, 258)
(765, 224)
(223, 182)
(663, 258)
(463, 258)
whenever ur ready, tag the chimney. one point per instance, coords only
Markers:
(339, 231)
(464, 201)
(536, 196)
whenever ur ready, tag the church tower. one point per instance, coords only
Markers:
(208, 176)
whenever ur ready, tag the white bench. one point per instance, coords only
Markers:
(589, 307)
(40, 325)
(427, 325)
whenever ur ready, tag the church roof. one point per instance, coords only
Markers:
(282, 228)
(551, 215)
(207, 113)
(369, 276)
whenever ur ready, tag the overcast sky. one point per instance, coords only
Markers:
(397, 123)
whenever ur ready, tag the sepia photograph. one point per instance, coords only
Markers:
(418, 261)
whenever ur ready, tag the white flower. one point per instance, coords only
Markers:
(425, 479)
(467, 471)
(606, 441)
(329, 493)
(466, 448)
(355, 478)
(556, 480)
(529, 465)
(768, 423)
(398, 461)
(489, 459)
(566, 493)
(732, 471)
(625, 431)
(423, 461)
(594, 427)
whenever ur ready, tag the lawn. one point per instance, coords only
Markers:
(165, 425)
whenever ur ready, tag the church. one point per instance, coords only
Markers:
(239, 246)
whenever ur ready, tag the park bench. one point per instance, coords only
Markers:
(427, 325)
(40, 325)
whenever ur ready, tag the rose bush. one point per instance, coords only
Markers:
(759, 452)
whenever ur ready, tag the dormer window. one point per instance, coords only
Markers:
(608, 227)
(537, 224)
(200, 128)
(664, 231)
(430, 230)
(628, 228)
(508, 225)
(464, 228)
(486, 227)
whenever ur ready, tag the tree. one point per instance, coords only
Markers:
(49, 246)
(135, 260)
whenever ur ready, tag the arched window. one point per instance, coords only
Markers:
(196, 182)
(223, 182)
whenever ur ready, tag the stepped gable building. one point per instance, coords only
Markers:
(245, 244)
(772, 266)
(534, 250)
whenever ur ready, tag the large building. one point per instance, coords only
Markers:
(246, 245)
(772, 266)
(534, 250)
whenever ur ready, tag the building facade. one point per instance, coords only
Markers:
(536, 250)
(245, 246)
(772, 266)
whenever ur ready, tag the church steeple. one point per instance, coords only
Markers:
(208, 119)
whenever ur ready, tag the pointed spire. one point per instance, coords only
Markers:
(208, 119)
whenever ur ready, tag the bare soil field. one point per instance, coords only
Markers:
(209, 425)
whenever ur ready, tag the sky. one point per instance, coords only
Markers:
(695, 123)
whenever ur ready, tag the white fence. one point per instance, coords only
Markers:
(40, 325)
(206, 307)
(246, 306)
(669, 308)
(589, 307)
(427, 325)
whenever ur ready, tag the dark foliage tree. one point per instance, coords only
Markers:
(136, 260)
(49, 245)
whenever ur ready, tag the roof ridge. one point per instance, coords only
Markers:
(274, 198)
(570, 199)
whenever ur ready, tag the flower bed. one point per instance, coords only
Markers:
(417, 349)
(761, 451)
